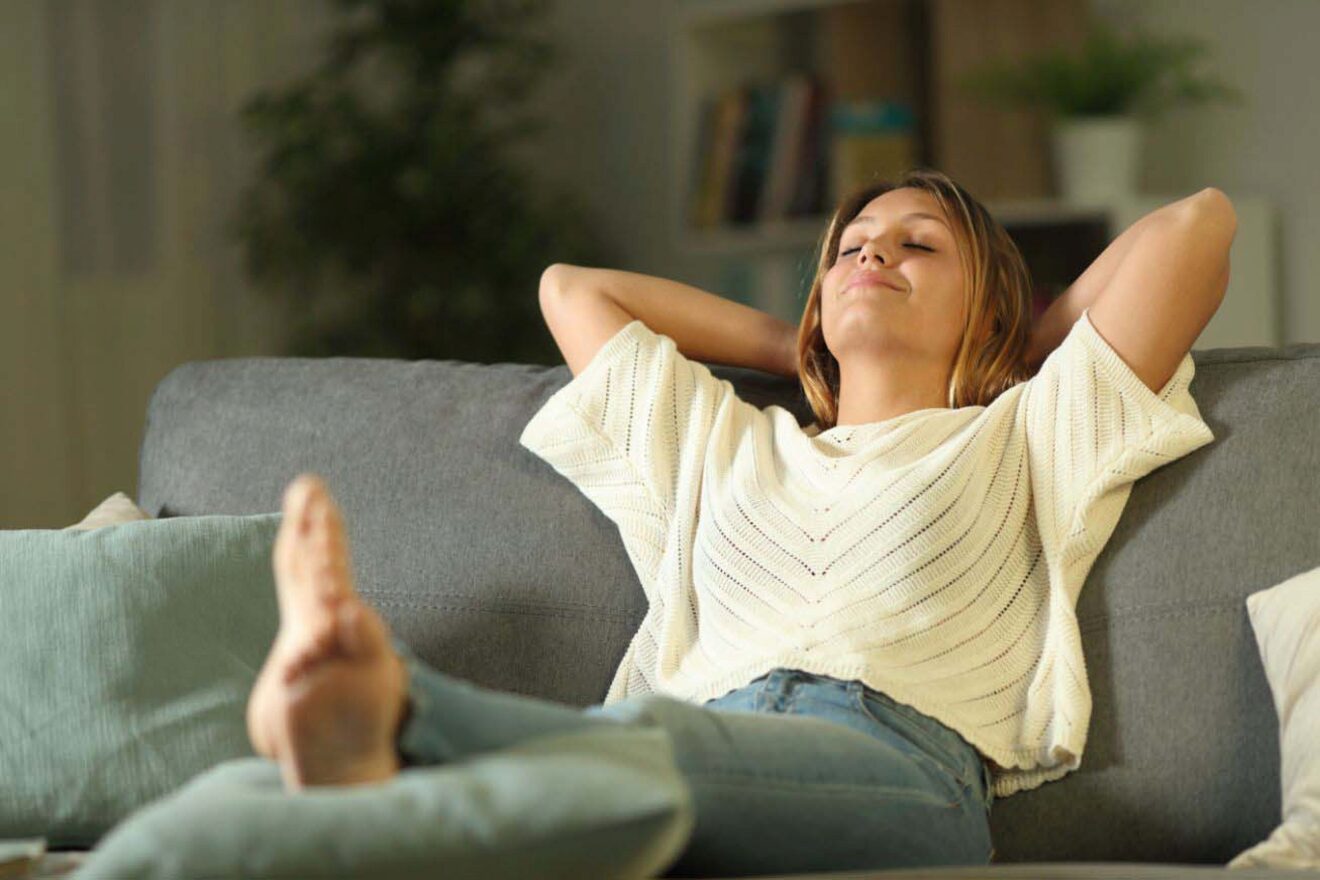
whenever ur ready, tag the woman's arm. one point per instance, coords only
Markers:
(1053, 325)
(704, 326)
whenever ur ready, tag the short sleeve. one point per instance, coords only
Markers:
(632, 429)
(1092, 429)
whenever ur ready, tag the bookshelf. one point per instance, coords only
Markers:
(880, 54)
(873, 80)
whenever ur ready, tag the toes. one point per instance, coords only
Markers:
(295, 526)
(322, 526)
(311, 557)
(307, 505)
(297, 495)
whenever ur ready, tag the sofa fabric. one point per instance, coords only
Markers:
(495, 569)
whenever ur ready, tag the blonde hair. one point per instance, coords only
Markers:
(991, 356)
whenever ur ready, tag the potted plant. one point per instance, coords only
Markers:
(1099, 101)
(388, 206)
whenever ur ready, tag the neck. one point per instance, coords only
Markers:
(867, 396)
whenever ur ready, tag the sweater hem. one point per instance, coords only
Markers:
(1021, 769)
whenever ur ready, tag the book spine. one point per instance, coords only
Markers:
(807, 194)
(744, 163)
(703, 161)
(786, 150)
(732, 112)
(870, 140)
(768, 107)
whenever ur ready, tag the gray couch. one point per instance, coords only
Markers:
(497, 570)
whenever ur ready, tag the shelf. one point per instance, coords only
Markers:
(699, 12)
(719, 45)
(785, 235)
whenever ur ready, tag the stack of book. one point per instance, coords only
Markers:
(870, 140)
(761, 153)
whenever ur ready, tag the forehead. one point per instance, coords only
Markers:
(904, 205)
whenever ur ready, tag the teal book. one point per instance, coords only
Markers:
(754, 152)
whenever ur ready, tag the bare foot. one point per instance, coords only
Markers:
(331, 697)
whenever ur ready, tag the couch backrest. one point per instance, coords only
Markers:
(497, 570)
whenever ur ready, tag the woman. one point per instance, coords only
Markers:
(858, 634)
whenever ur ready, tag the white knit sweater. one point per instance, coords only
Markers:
(936, 556)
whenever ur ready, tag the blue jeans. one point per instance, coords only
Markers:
(792, 773)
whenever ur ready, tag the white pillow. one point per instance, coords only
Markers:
(1286, 621)
(116, 509)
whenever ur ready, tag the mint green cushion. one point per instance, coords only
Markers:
(598, 803)
(126, 662)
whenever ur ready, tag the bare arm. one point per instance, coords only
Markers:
(704, 326)
(1053, 325)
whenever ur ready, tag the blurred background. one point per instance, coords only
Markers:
(194, 179)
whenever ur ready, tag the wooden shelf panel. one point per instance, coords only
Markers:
(694, 13)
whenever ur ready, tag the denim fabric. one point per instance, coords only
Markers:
(792, 773)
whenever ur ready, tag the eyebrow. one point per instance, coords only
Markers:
(919, 214)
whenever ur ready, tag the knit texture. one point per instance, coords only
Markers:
(936, 556)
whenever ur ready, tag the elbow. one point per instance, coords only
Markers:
(1212, 212)
(560, 277)
(1218, 205)
(554, 280)
(550, 279)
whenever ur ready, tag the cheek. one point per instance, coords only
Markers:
(838, 275)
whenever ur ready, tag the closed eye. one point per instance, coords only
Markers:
(909, 244)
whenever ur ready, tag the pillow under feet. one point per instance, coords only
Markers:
(594, 803)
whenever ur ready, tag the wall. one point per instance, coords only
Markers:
(1266, 148)
(120, 163)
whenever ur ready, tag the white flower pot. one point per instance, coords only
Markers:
(1096, 158)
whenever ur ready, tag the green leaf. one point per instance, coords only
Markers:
(1112, 74)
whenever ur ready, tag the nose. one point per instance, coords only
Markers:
(873, 252)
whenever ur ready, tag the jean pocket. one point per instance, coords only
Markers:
(892, 715)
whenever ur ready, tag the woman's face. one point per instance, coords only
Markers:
(913, 303)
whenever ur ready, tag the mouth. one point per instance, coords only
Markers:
(872, 282)
(873, 278)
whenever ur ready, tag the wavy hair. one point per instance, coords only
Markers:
(992, 355)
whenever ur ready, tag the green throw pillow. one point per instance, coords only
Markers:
(126, 663)
(600, 803)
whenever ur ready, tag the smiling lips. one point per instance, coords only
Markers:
(872, 278)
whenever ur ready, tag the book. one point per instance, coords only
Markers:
(869, 140)
(808, 189)
(753, 152)
(703, 162)
(730, 111)
(786, 150)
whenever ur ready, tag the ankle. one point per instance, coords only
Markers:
(366, 771)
